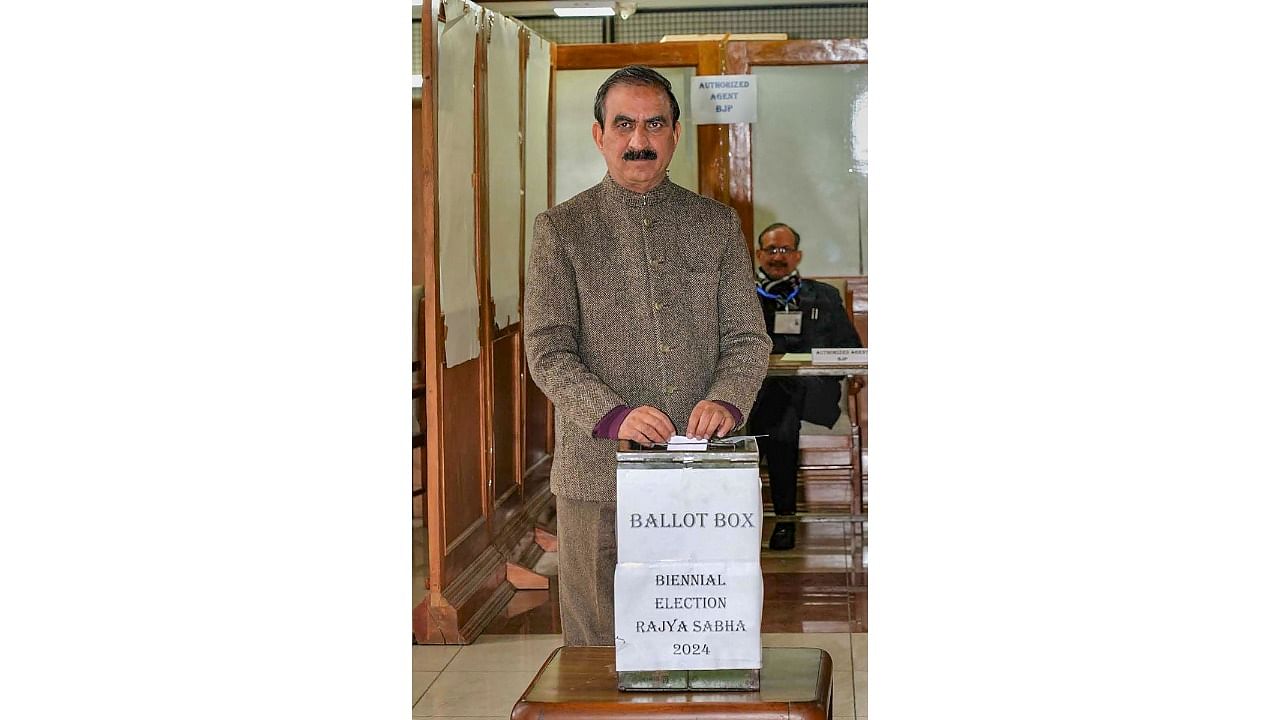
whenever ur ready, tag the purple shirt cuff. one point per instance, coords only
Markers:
(611, 423)
(735, 412)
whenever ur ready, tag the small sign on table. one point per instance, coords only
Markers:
(839, 356)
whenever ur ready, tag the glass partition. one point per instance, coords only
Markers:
(809, 162)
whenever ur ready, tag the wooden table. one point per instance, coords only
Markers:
(780, 367)
(580, 683)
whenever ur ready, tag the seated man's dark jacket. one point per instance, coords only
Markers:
(831, 329)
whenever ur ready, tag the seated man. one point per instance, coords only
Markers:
(799, 316)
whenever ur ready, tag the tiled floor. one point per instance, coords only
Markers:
(815, 596)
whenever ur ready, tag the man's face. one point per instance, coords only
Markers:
(637, 126)
(774, 263)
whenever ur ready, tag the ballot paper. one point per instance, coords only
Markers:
(680, 442)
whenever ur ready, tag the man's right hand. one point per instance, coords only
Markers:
(647, 425)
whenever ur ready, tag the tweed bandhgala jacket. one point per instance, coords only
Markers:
(637, 299)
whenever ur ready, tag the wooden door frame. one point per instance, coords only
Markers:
(432, 350)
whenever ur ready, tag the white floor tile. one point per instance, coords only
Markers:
(432, 658)
(506, 652)
(458, 693)
(859, 646)
(842, 683)
(860, 694)
(422, 681)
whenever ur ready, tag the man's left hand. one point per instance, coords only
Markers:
(707, 419)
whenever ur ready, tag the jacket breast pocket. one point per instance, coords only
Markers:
(701, 293)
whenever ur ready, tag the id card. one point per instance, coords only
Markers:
(786, 322)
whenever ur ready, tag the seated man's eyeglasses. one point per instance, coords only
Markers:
(781, 250)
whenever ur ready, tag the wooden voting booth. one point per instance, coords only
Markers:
(482, 163)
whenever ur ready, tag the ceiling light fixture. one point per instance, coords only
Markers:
(584, 9)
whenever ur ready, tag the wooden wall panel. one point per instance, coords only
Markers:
(462, 474)
(537, 423)
(505, 417)
(613, 55)
(419, 247)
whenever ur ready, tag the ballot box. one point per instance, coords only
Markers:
(688, 591)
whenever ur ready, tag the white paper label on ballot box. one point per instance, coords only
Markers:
(687, 616)
(688, 590)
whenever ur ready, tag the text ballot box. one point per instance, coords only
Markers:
(688, 591)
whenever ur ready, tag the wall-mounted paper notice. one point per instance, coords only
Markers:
(723, 99)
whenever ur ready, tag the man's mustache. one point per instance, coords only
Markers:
(644, 154)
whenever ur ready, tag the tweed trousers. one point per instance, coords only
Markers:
(588, 554)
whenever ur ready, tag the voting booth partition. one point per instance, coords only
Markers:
(688, 590)
(482, 163)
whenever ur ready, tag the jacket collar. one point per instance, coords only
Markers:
(615, 192)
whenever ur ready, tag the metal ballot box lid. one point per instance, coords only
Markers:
(732, 451)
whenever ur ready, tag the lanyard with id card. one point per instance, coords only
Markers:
(787, 322)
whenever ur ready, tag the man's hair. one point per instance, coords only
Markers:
(775, 226)
(636, 75)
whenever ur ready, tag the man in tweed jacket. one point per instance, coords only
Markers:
(640, 322)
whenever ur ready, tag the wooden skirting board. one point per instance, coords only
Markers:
(459, 614)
